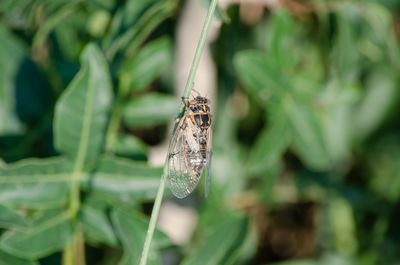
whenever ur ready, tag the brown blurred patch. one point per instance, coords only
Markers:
(288, 234)
(298, 8)
(396, 25)
(285, 233)
(251, 12)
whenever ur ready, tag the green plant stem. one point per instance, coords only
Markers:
(188, 89)
(74, 252)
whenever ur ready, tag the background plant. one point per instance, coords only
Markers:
(306, 138)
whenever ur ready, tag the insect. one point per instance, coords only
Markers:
(190, 148)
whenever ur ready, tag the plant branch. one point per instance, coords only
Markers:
(188, 89)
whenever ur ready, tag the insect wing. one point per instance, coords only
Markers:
(181, 178)
(208, 166)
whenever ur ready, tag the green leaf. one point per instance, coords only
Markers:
(39, 240)
(125, 179)
(308, 138)
(221, 245)
(81, 112)
(281, 39)
(147, 65)
(343, 226)
(380, 97)
(130, 146)
(383, 167)
(35, 183)
(260, 76)
(270, 144)
(24, 94)
(150, 110)
(96, 224)
(12, 53)
(346, 52)
(7, 259)
(10, 217)
(132, 230)
(338, 99)
(134, 22)
(98, 23)
(52, 21)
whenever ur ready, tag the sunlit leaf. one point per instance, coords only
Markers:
(35, 183)
(124, 179)
(81, 113)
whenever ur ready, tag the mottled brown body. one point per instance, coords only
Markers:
(190, 149)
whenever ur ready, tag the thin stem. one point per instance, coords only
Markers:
(199, 50)
(188, 89)
(154, 216)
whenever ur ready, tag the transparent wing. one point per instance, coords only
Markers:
(182, 177)
(208, 165)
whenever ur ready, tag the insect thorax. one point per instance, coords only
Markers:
(200, 112)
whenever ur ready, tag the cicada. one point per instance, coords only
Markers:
(190, 148)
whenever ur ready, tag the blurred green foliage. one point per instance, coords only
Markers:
(306, 132)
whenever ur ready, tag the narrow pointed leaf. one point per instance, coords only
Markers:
(39, 240)
(82, 111)
(35, 183)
